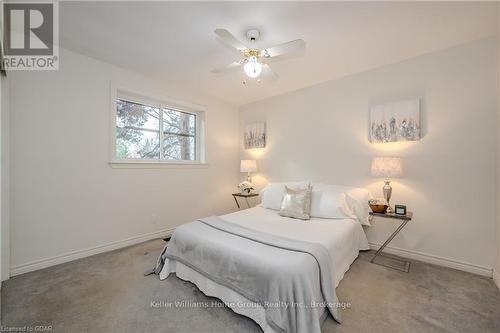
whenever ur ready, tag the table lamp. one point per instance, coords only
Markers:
(248, 166)
(387, 167)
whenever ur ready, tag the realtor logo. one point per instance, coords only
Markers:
(30, 36)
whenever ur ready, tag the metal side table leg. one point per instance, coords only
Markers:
(237, 203)
(406, 268)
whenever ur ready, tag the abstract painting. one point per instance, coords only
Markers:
(393, 122)
(255, 135)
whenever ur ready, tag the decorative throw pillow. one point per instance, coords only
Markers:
(296, 203)
(272, 194)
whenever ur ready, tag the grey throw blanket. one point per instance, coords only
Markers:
(287, 277)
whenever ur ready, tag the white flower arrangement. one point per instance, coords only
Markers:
(245, 187)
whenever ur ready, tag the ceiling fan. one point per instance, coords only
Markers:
(255, 61)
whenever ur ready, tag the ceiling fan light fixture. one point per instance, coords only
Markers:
(255, 60)
(252, 68)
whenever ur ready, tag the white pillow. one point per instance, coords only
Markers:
(357, 201)
(335, 201)
(329, 202)
(272, 194)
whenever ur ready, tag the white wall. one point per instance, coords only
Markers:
(4, 180)
(3, 101)
(65, 198)
(321, 133)
(496, 273)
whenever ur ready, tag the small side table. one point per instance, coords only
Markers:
(246, 196)
(404, 220)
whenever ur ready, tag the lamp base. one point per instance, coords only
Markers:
(387, 189)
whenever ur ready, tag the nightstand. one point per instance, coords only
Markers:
(245, 196)
(403, 264)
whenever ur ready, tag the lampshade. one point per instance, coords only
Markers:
(248, 166)
(387, 167)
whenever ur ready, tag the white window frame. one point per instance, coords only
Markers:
(161, 103)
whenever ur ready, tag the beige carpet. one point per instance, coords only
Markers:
(108, 293)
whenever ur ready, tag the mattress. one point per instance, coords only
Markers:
(343, 238)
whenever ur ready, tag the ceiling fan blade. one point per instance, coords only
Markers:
(236, 53)
(227, 68)
(268, 73)
(230, 40)
(294, 46)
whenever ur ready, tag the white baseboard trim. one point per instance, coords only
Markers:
(410, 254)
(70, 256)
(496, 278)
(436, 260)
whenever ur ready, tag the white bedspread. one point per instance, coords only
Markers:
(343, 238)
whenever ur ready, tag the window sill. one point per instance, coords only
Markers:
(156, 165)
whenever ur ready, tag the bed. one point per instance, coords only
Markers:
(279, 271)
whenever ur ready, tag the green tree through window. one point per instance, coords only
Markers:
(138, 134)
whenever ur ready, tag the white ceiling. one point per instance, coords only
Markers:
(175, 41)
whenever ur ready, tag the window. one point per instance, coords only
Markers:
(155, 132)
